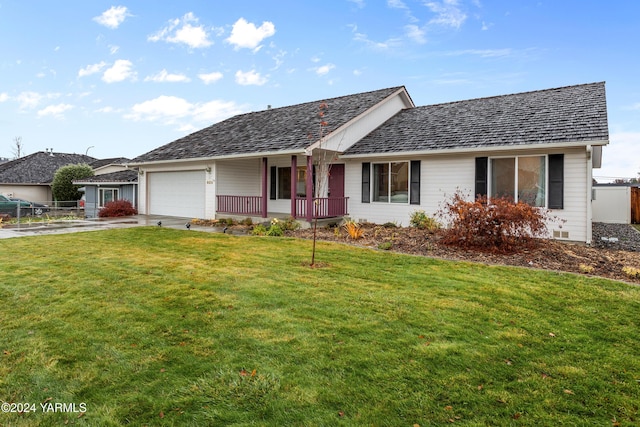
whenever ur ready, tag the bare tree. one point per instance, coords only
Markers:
(18, 147)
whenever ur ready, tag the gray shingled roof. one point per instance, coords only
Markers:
(124, 176)
(566, 114)
(277, 129)
(38, 168)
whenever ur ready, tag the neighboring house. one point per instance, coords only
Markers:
(104, 188)
(388, 158)
(30, 177)
(103, 166)
(616, 203)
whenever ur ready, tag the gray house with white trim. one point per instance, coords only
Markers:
(388, 158)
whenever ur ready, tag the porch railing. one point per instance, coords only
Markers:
(243, 205)
(323, 207)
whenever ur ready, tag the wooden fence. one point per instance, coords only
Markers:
(635, 205)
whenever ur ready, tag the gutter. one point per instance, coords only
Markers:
(300, 151)
(522, 147)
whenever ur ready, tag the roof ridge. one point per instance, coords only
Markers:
(321, 100)
(483, 98)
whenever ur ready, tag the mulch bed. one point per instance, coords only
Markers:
(548, 255)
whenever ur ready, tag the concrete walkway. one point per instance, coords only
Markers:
(74, 226)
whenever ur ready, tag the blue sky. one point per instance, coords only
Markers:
(121, 78)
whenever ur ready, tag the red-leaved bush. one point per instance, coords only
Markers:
(498, 225)
(117, 208)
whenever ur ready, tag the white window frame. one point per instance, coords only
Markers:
(374, 177)
(516, 165)
(116, 194)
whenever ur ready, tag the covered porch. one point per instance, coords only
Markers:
(288, 189)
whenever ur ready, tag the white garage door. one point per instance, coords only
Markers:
(177, 193)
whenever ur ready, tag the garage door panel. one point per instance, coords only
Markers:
(177, 193)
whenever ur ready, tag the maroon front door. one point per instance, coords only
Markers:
(336, 190)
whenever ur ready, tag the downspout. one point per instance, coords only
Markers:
(589, 213)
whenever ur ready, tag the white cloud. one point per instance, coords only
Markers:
(324, 69)
(120, 71)
(181, 30)
(30, 100)
(359, 3)
(91, 69)
(113, 17)
(210, 77)
(385, 45)
(172, 110)
(250, 78)
(106, 110)
(162, 107)
(483, 53)
(416, 34)
(448, 13)
(113, 49)
(164, 76)
(4, 97)
(214, 111)
(246, 35)
(55, 110)
(396, 4)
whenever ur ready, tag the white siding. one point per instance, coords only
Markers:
(239, 177)
(575, 197)
(443, 175)
(365, 124)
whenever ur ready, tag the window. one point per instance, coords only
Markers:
(108, 195)
(284, 182)
(391, 182)
(523, 179)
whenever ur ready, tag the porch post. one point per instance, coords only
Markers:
(294, 184)
(263, 208)
(309, 188)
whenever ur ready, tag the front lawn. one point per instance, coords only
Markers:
(153, 326)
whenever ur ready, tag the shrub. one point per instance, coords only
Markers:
(385, 246)
(259, 230)
(632, 272)
(586, 269)
(499, 225)
(354, 230)
(275, 231)
(289, 224)
(419, 219)
(117, 208)
(62, 185)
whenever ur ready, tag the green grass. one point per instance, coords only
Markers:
(153, 326)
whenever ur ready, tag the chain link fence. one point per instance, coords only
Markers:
(17, 210)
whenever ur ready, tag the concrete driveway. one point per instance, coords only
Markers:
(73, 226)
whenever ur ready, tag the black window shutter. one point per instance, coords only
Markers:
(274, 183)
(482, 164)
(556, 181)
(414, 191)
(366, 182)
